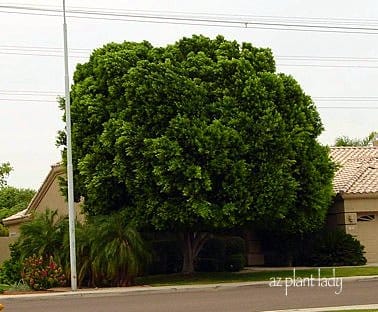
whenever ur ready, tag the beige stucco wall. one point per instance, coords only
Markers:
(360, 204)
(367, 233)
(54, 200)
(345, 213)
(14, 229)
(254, 253)
(4, 247)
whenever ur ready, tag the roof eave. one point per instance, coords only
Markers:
(346, 195)
(17, 220)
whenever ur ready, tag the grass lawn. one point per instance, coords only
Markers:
(3, 287)
(229, 277)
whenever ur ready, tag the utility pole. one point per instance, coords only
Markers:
(71, 207)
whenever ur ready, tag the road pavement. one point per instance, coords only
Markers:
(237, 297)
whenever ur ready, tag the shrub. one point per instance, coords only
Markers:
(3, 287)
(10, 271)
(43, 236)
(41, 273)
(234, 245)
(113, 251)
(235, 262)
(3, 230)
(335, 248)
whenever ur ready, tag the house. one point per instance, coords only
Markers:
(47, 197)
(355, 207)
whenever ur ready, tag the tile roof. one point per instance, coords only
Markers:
(358, 169)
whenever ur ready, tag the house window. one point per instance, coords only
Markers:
(366, 218)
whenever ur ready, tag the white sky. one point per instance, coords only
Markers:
(28, 129)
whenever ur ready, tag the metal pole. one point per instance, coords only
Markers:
(71, 207)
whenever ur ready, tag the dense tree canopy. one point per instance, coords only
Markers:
(12, 199)
(200, 134)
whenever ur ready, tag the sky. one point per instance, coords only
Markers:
(332, 53)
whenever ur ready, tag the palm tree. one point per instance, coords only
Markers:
(109, 249)
(44, 236)
(84, 262)
(117, 250)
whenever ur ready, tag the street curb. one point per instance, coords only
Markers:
(133, 290)
(152, 289)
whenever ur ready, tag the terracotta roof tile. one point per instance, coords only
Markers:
(358, 171)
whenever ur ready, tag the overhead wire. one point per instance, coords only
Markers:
(239, 21)
(301, 61)
(205, 14)
(197, 20)
(37, 94)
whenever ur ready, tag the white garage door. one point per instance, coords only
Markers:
(367, 234)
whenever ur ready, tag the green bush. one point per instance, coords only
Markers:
(235, 262)
(3, 231)
(3, 287)
(336, 248)
(10, 271)
(111, 251)
(234, 245)
(40, 273)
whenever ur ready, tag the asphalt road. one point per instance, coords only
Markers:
(235, 299)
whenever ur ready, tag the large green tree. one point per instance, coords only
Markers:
(12, 199)
(195, 136)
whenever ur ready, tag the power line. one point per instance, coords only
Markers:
(41, 54)
(217, 17)
(49, 52)
(326, 58)
(27, 100)
(29, 92)
(326, 20)
(16, 48)
(346, 107)
(40, 48)
(326, 66)
(345, 99)
(193, 20)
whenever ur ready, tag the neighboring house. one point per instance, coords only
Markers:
(47, 197)
(355, 208)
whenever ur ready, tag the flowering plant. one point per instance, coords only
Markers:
(41, 273)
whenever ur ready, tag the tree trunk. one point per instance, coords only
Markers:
(191, 245)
